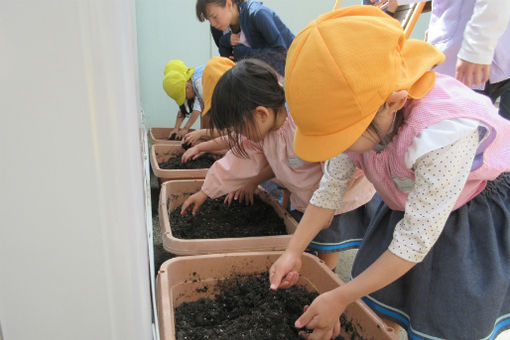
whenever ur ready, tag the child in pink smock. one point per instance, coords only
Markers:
(249, 100)
(436, 255)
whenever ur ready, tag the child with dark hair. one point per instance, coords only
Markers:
(248, 105)
(435, 256)
(247, 29)
(184, 85)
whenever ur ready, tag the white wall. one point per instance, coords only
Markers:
(169, 29)
(73, 247)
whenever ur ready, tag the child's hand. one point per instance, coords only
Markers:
(243, 194)
(197, 199)
(193, 137)
(235, 39)
(285, 271)
(192, 153)
(172, 133)
(180, 134)
(322, 316)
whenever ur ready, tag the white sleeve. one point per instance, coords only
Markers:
(197, 105)
(338, 171)
(440, 176)
(488, 22)
(438, 135)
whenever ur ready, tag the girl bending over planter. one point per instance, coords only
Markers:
(248, 104)
(435, 257)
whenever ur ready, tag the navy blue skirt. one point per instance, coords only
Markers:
(346, 230)
(461, 290)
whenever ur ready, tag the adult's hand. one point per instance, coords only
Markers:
(472, 74)
(235, 39)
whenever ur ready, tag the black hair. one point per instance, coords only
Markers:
(385, 139)
(202, 4)
(250, 83)
(183, 109)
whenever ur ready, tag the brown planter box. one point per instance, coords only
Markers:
(159, 135)
(162, 153)
(174, 193)
(177, 284)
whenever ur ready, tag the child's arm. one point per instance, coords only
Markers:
(228, 174)
(323, 314)
(338, 171)
(245, 193)
(217, 146)
(194, 136)
(178, 121)
(192, 119)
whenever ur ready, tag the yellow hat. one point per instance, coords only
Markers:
(342, 68)
(213, 71)
(176, 74)
(175, 65)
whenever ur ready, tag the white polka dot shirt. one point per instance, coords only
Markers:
(440, 176)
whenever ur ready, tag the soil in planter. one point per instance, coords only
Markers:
(216, 219)
(245, 308)
(201, 162)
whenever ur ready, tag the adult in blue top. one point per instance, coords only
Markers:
(247, 29)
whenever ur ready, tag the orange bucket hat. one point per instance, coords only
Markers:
(342, 68)
(213, 71)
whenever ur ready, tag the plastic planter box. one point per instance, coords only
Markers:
(183, 279)
(161, 153)
(174, 193)
(159, 135)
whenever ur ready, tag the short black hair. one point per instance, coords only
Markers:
(202, 4)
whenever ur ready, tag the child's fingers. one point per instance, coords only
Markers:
(336, 330)
(195, 208)
(303, 334)
(289, 280)
(305, 320)
(228, 198)
(185, 206)
(275, 277)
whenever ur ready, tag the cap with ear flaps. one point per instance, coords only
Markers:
(176, 74)
(342, 68)
(213, 71)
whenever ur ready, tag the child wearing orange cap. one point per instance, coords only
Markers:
(249, 101)
(184, 85)
(435, 257)
(213, 70)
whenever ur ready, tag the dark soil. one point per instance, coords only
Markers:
(202, 162)
(172, 136)
(216, 219)
(246, 308)
(186, 146)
